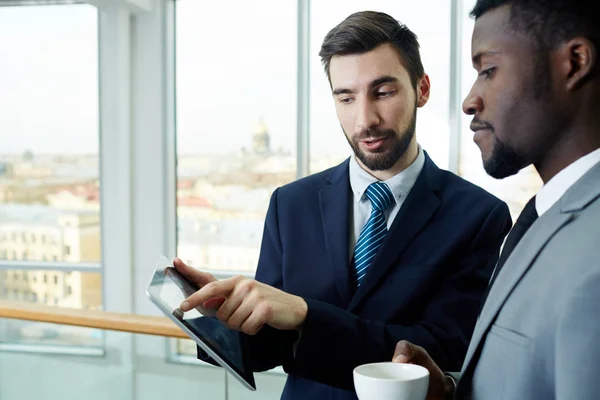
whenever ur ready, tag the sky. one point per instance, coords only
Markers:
(49, 79)
(233, 68)
(248, 70)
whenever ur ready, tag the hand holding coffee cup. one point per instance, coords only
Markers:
(441, 387)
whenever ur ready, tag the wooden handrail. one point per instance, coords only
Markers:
(133, 323)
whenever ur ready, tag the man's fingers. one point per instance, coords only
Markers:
(230, 305)
(239, 315)
(198, 277)
(214, 289)
(405, 352)
(214, 303)
(253, 324)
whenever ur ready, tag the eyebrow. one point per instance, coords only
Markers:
(375, 83)
(477, 57)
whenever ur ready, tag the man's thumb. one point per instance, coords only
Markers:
(404, 352)
(197, 277)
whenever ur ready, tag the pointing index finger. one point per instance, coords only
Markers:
(221, 288)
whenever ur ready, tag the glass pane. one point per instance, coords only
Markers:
(515, 190)
(79, 290)
(236, 125)
(328, 145)
(49, 187)
(186, 347)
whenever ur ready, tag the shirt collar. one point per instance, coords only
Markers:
(400, 184)
(561, 182)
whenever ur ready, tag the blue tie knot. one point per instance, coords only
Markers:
(380, 195)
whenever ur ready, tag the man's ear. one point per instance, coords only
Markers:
(423, 90)
(579, 57)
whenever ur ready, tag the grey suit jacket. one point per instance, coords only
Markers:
(538, 335)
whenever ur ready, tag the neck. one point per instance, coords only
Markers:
(403, 162)
(573, 145)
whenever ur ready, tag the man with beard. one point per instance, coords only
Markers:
(535, 101)
(382, 247)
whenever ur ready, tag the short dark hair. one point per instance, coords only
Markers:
(363, 31)
(549, 22)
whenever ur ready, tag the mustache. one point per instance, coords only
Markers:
(374, 134)
(477, 125)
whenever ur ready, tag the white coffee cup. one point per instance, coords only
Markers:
(391, 381)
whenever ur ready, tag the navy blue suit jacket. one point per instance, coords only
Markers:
(425, 284)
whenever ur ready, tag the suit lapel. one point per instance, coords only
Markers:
(582, 193)
(517, 264)
(415, 213)
(334, 202)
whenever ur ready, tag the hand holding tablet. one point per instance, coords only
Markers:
(168, 288)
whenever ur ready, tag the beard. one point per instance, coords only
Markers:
(504, 161)
(384, 159)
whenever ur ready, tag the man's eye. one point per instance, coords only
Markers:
(487, 72)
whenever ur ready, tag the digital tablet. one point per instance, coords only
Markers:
(167, 289)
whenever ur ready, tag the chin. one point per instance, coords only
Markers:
(503, 161)
(501, 168)
(487, 152)
(377, 161)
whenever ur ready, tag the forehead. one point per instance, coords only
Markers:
(361, 69)
(494, 33)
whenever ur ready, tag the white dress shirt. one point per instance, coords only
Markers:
(561, 182)
(400, 184)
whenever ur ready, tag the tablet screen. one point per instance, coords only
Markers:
(169, 288)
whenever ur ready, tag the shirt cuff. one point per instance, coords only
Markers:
(454, 384)
(296, 343)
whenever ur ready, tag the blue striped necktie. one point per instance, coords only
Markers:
(372, 234)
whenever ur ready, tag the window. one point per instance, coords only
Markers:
(49, 71)
(236, 118)
(236, 125)
(235, 146)
(515, 190)
(328, 145)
